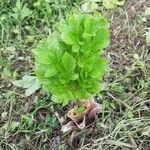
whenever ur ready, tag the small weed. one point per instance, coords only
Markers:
(79, 109)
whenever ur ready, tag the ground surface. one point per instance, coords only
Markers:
(29, 123)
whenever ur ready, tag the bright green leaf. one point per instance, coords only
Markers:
(100, 67)
(68, 62)
(51, 71)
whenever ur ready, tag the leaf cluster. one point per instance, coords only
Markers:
(69, 63)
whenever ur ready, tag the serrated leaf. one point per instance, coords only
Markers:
(47, 54)
(86, 35)
(100, 68)
(88, 64)
(68, 62)
(72, 30)
(51, 71)
(69, 34)
(67, 39)
(99, 41)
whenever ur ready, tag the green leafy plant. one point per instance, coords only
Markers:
(20, 11)
(69, 63)
(79, 109)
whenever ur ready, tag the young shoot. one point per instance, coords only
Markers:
(69, 63)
